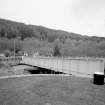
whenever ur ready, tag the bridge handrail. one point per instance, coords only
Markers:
(72, 58)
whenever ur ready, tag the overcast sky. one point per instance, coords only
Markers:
(86, 17)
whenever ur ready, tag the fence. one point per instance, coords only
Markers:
(11, 60)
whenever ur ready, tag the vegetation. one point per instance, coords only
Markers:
(56, 51)
(31, 38)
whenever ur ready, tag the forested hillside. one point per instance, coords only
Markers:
(31, 38)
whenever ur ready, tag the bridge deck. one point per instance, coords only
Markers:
(77, 66)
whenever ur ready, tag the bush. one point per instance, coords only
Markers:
(7, 53)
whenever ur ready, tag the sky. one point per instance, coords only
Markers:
(86, 17)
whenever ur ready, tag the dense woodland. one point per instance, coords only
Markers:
(47, 42)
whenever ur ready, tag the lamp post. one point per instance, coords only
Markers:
(14, 47)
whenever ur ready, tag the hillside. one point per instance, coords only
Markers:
(32, 38)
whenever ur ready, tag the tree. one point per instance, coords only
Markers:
(56, 51)
(25, 32)
(2, 33)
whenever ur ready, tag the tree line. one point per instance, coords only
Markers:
(31, 38)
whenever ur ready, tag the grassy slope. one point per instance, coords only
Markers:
(51, 91)
(5, 69)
